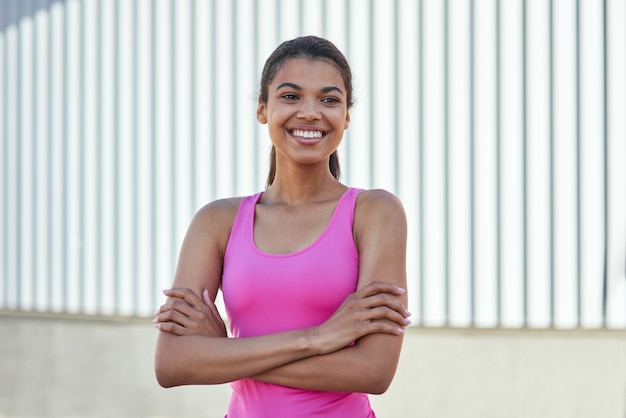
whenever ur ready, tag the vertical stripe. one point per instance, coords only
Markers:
(153, 153)
(255, 60)
(605, 121)
(347, 141)
(300, 17)
(235, 89)
(498, 130)
(396, 100)
(420, 159)
(18, 162)
(34, 159)
(578, 173)
(324, 18)
(472, 158)
(83, 156)
(64, 160)
(446, 160)
(173, 132)
(136, 159)
(117, 196)
(49, 144)
(370, 89)
(524, 165)
(213, 95)
(5, 159)
(279, 20)
(99, 157)
(193, 111)
(551, 157)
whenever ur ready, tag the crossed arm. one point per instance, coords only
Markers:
(193, 347)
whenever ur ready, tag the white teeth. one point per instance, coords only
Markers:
(307, 134)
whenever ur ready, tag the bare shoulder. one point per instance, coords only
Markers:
(378, 204)
(202, 250)
(378, 213)
(220, 210)
(216, 218)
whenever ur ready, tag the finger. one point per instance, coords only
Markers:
(171, 327)
(391, 302)
(186, 294)
(180, 311)
(380, 287)
(180, 305)
(174, 316)
(381, 326)
(196, 306)
(385, 313)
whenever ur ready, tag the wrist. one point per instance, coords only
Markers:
(313, 342)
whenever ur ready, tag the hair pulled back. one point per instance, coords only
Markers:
(315, 48)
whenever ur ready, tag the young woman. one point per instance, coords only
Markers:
(312, 271)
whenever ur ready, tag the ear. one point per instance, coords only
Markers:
(260, 113)
(345, 126)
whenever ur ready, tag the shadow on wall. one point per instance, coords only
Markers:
(13, 12)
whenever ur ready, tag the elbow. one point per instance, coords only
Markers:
(165, 383)
(166, 375)
(379, 387)
(164, 380)
(378, 391)
(378, 381)
(163, 375)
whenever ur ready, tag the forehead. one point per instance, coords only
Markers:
(309, 72)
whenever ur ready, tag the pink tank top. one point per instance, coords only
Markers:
(268, 293)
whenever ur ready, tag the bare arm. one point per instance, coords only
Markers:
(368, 366)
(183, 358)
(193, 347)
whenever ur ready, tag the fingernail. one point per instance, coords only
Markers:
(401, 290)
(166, 291)
(407, 321)
(401, 330)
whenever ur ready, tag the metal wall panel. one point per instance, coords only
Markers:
(500, 124)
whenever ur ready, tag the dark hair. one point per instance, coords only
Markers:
(311, 47)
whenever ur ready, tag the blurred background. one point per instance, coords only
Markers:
(501, 125)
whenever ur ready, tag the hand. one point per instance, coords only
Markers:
(376, 308)
(185, 313)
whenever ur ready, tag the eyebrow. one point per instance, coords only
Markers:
(299, 88)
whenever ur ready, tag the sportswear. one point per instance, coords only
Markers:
(268, 293)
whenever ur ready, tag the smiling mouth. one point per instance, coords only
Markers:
(299, 133)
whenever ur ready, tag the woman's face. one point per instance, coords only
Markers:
(306, 111)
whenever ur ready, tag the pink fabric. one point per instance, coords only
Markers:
(268, 293)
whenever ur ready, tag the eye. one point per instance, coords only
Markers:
(331, 100)
(289, 96)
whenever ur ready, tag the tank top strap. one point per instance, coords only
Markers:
(244, 220)
(347, 204)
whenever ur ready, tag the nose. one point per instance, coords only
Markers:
(309, 110)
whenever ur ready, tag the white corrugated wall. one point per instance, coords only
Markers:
(500, 124)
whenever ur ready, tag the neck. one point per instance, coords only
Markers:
(299, 188)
